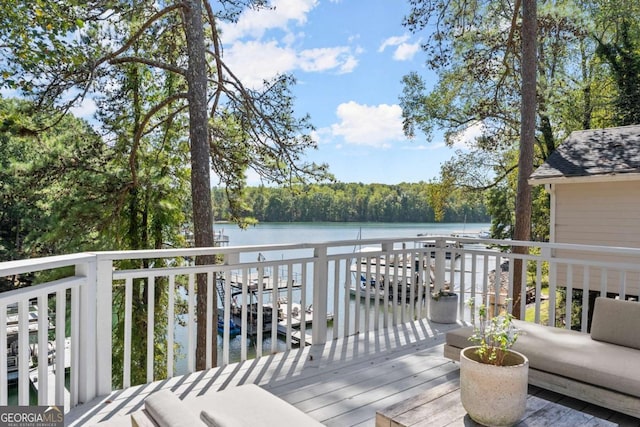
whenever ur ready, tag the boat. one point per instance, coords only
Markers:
(377, 278)
(453, 247)
(484, 234)
(234, 329)
(298, 313)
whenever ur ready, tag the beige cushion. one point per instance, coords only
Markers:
(142, 419)
(571, 354)
(616, 322)
(247, 406)
(167, 410)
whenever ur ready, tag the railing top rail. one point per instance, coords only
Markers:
(9, 297)
(10, 268)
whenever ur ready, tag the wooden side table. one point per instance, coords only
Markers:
(440, 406)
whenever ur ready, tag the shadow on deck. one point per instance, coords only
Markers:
(341, 383)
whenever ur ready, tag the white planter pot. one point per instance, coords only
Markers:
(444, 309)
(494, 395)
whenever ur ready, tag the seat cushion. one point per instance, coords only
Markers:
(571, 354)
(247, 406)
(616, 322)
(167, 410)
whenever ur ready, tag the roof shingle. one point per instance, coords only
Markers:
(591, 152)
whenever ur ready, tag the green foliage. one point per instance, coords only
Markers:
(494, 336)
(344, 202)
(475, 49)
(622, 54)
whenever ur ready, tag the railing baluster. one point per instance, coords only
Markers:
(347, 299)
(23, 352)
(538, 287)
(497, 287)
(75, 345)
(42, 346)
(274, 311)
(303, 303)
(191, 324)
(210, 321)
(623, 285)
(246, 306)
(585, 298)
(151, 309)
(171, 324)
(4, 370)
(552, 293)
(60, 355)
(336, 301)
(126, 362)
(259, 313)
(43, 350)
(226, 335)
(568, 302)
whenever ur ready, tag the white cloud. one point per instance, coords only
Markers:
(85, 110)
(255, 61)
(403, 51)
(375, 126)
(406, 51)
(393, 41)
(254, 23)
(323, 59)
(468, 136)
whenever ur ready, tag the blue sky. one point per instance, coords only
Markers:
(349, 57)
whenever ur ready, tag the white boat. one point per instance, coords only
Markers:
(298, 313)
(453, 247)
(395, 280)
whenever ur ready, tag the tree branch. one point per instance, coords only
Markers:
(151, 62)
(142, 29)
(140, 131)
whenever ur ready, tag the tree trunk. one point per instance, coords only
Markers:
(527, 140)
(200, 168)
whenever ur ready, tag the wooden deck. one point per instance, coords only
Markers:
(341, 383)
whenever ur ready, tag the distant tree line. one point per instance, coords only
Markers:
(354, 202)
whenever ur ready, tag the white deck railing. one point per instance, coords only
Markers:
(97, 301)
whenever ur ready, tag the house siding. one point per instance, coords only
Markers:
(600, 213)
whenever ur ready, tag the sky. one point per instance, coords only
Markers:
(348, 57)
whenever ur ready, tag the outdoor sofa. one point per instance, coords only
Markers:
(602, 367)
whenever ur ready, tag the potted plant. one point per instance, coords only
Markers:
(493, 377)
(443, 306)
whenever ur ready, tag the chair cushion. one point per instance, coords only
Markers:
(248, 406)
(167, 410)
(616, 322)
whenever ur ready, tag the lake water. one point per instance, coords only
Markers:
(276, 233)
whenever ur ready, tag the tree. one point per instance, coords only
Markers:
(527, 140)
(622, 54)
(59, 52)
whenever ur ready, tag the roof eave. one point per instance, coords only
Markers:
(610, 177)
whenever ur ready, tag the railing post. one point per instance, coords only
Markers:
(440, 264)
(104, 322)
(87, 362)
(320, 279)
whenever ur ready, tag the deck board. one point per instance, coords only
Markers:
(340, 383)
